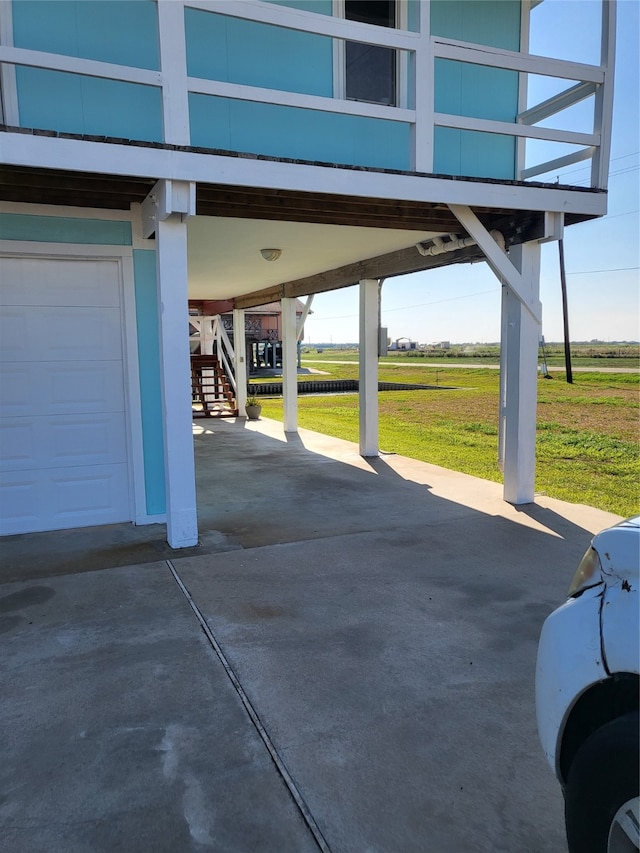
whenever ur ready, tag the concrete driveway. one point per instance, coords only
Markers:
(346, 663)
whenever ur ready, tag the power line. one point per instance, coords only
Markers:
(590, 272)
(410, 307)
(612, 160)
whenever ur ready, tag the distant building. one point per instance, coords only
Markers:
(403, 344)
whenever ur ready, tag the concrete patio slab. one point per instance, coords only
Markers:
(364, 682)
(121, 730)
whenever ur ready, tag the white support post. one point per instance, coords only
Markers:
(289, 364)
(519, 385)
(504, 336)
(171, 264)
(240, 360)
(368, 370)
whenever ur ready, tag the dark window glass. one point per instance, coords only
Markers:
(371, 70)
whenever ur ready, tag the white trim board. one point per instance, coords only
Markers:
(112, 159)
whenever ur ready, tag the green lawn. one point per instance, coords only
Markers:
(588, 448)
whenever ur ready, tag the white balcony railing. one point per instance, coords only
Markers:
(420, 50)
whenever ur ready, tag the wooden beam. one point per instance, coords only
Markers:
(401, 262)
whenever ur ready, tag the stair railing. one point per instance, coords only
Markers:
(223, 348)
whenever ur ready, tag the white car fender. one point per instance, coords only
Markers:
(569, 661)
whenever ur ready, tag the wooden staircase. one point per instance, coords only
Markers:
(212, 395)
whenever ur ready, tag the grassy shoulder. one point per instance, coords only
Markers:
(582, 355)
(588, 447)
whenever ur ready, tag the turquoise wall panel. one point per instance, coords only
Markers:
(235, 51)
(472, 154)
(74, 103)
(278, 131)
(64, 229)
(474, 90)
(125, 33)
(491, 22)
(144, 264)
(320, 7)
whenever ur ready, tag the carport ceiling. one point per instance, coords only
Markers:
(225, 260)
(327, 240)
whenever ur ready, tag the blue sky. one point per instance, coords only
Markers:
(462, 303)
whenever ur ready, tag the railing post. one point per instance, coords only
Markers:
(603, 108)
(422, 68)
(173, 62)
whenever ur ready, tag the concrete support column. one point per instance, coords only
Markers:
(519, 382)
(175, 369)
(368, 367)
(240, 360)
(289, 364)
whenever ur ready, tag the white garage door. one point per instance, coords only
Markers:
(63, 447)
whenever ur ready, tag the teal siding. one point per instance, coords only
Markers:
(125, 33)
(278, 131)
(477, 155)
(320, 7)
(235, 51)
(75, 103)
(413, 15)
(63, 229)
(492, 22)
(474, 90)
(144, 264)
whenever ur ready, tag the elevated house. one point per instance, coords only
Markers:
(254, 151)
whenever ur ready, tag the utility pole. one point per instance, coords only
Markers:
(565, 314)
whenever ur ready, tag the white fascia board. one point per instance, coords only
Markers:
(309, 22)
(46, 152)
(31, 209)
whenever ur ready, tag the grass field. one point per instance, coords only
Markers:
(588, 448)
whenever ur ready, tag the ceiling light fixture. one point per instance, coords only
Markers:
(271, 254)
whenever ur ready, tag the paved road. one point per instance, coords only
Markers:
(447, 365)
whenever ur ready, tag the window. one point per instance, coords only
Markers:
(370, 71)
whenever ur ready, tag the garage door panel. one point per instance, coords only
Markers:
(21, 499)
(54, 499)
(71, 334)
(60, 281)
(89, 492)
(18, 440)
(88, 440)
(16, 342)
(64, 441)
(62, 334)
(39, 388)
(16, 391)
(81, 388)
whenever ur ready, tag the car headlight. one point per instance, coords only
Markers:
(587, 574)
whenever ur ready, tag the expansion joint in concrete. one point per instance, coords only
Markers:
(281, 767)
